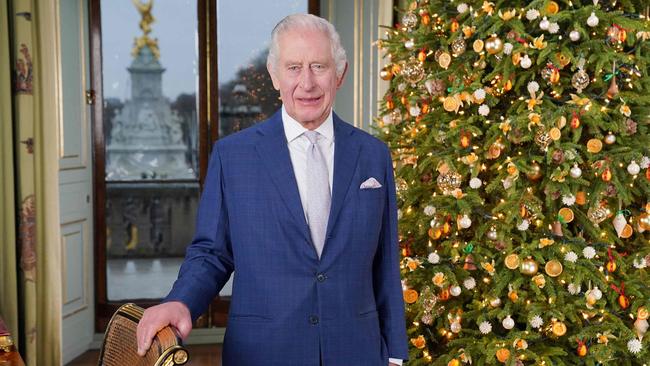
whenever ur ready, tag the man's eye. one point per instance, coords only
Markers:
(318, 67)
(294, 68)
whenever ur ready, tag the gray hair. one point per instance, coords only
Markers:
(312, 22)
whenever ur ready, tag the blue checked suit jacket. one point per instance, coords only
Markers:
(288, 307)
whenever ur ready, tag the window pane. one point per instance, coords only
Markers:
(151, 133)
(246, 94)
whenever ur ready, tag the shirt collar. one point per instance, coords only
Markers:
(293, 129)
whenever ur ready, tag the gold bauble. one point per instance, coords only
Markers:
(449, 181)
(512, 261)
(386, 73)
(553, 268)
(535, 172)
(528, 267)
(458, 47)
(413, 71)
(559, 329)
(644, 220)
(493, 45)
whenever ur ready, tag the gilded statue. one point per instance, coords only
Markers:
(144, 8)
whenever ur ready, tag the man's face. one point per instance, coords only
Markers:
(305, 75)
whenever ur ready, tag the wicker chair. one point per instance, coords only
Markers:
(120, 344)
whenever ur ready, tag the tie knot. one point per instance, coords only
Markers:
(312, 136)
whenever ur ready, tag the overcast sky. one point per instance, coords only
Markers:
(244, 30)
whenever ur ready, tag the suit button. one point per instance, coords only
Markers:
(321, 277)
(313, 320)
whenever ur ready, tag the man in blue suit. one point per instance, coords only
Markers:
(302, 208)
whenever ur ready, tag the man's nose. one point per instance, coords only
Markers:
(307, 79)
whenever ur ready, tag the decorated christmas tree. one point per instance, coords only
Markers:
(520, 133)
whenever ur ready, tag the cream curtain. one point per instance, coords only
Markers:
(8, 270)
(35, 119)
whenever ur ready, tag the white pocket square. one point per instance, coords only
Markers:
(370, 183)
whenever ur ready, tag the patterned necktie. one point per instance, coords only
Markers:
(318, 192)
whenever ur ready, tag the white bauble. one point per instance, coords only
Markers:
(526, 62)
(610, 139)
(544, 24)
(455, 290)
(475, 183)
(409, 44)
(574, 36)
(456, 327)
(508, 323)
(575, 172)
(597, 293)
(633, 168)
(465, 222)
(593, 20)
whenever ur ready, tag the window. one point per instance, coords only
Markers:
(170, 77)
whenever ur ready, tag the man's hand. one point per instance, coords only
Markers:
(155, 318)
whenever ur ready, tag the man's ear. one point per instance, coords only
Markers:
(274, 79)
(339, 80)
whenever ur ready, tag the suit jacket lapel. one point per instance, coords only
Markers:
(272, 149)
(346, 153)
